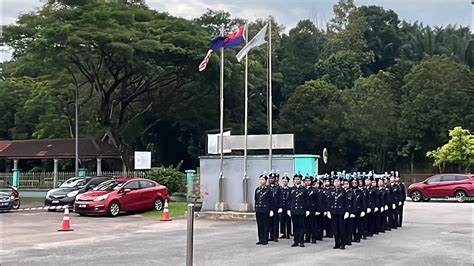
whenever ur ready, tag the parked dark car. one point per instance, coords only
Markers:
(442, 186)
(6, 201)
(66, 193)
(122, 194)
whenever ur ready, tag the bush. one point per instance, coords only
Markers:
(170, 177)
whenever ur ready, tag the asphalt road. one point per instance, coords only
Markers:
(434, 233)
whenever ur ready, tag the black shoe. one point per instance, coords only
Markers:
(357, 240)
(342, 247)
(313, 242)
(265, 243)
(335, 247)
(275, 240)
(376, 233)
(370, 235)
(307, 241)
(389, 229)
(287, 237)
(383, 231)
(259, 243)
(282, 236)
(364, 237)
(302, 245)
(349, 244)
(294, 245)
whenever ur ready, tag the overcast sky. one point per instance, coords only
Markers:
(286, 12)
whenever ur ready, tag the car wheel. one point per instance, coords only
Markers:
(460, 195)
(416, 196)
(158, 204)
(114, 209)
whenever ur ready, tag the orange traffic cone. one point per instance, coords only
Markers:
(166, 214)
(65, 224)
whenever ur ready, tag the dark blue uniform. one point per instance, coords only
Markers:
(371, 204)
(403, 196)
(298, 198)
(275, 205)
(361, 206)
(351, 207)
(383, 198)
(395, 194)
(263, 201)
(285, 220)
(313, 205)
(337, 208)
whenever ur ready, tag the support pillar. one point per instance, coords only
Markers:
(55, 173)
(99, 166)
(190, 184)
(16, 174)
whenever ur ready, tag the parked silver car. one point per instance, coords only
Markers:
(6, 201)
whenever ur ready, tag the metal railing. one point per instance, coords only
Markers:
(44, 180)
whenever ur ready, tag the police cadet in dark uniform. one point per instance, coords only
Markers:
(327, 221)
(285, 220)
(361, 208)
(370, 205)
(368, 202)
(276, 207)
(298, 198)
(351, 208)
(263, 201)
(310, 206)
(395, 194)
(337, 213)
(388, 207)
(376, 197)
(383, 198)
(314, 205)
(403, 197)
(320, 208)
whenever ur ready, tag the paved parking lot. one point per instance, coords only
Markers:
(434, 233)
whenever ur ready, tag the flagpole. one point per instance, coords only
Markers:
(220, 199)
(245, 179)
(270, 102)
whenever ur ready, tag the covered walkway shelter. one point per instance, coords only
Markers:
(56, 149)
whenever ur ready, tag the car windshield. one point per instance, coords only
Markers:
(109, 185)
(73, 182)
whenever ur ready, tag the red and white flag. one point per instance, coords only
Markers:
(206, 59)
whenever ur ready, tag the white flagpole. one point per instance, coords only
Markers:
(270, 102)
(245, 180)
(220, 200)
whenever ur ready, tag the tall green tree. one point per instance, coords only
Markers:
(436, 99)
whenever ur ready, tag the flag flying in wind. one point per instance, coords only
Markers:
(233, 39)
(257, 40)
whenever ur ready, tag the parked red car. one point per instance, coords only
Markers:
(443, 185)
(122, 194)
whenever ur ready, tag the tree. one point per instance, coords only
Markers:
(300, 50)
(341, 12)
(436, 98)
(458, 150)
(315, 114)
(132, 57)
(381, 33)
(370, 115)
(341, 69)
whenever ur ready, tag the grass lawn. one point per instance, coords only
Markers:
(176, 209)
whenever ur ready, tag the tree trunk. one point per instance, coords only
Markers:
(412, 159)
